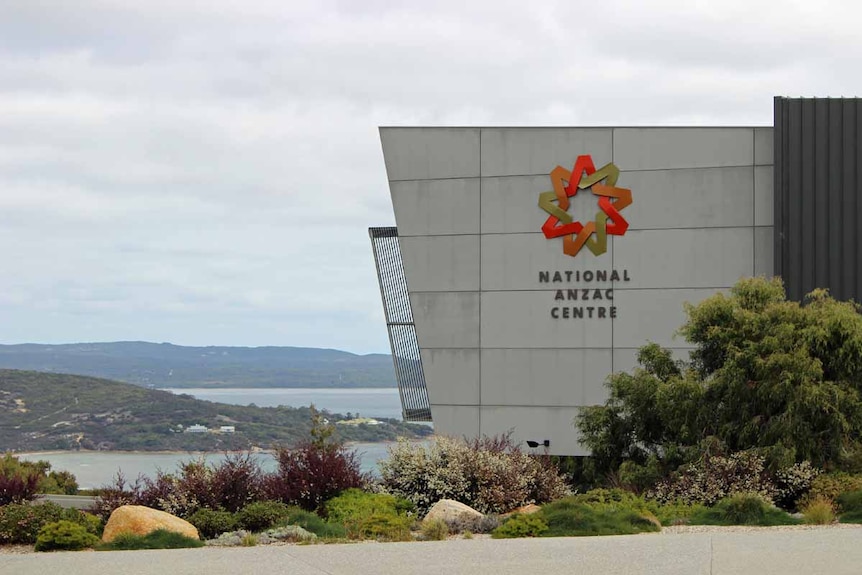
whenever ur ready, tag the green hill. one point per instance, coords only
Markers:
(40, 411)
(167, 365)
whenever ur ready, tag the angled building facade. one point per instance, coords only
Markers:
(536, 261)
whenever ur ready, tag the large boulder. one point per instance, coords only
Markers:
(452, 511)
(140, 520)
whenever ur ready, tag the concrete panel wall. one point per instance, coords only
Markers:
(446, 320)
(455, 375)
(689, 198)
(675, 148)
(536, 377)
(436, 207)
(528, 151)
(441, 263)
(522, 319)
(466, 204)
(555, 424)
(708, 257)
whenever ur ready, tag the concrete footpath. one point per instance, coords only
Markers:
(832, 551)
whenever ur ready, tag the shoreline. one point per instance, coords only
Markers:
(349, 444)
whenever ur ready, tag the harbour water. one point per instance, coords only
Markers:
(97, 468)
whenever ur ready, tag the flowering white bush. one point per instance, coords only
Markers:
(717, 476)
(492, 475)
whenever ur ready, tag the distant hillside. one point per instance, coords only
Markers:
(40, 411)
(167, 365)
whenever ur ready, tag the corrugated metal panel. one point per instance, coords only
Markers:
(817, 195)
(399, 323)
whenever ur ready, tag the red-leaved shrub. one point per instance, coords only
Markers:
(311, 473)
(18, 488)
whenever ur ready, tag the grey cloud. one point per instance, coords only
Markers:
(204, 172)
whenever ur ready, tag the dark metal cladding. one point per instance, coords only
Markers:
(399, 323)
(818, 195)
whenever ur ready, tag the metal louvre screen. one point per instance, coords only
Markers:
(399, 323)
(818, 195)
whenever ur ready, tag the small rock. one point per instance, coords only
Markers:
(451, 511)
(140, 520)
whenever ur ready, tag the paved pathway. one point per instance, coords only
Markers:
(832, 551)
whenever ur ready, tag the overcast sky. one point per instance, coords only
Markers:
(204, 172)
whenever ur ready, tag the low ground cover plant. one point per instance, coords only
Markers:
(490, 474)
(520, 525)
(372, 515)
(64, 536)
(159, 539)
(742, 509)
(670, 513)
(574, 516)
(312, 522)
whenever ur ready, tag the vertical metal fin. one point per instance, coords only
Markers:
(399, 323)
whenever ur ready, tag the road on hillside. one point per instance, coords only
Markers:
(832, 551)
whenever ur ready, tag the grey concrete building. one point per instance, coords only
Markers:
(494, 300)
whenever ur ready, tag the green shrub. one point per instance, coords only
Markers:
(850, 501)
(670, 513)
(435, 530)
(92, 523)
(371, 515)
(570, 517)
(674, 512)
(213, 523)
(850, 507)
(354, 503)
(819, 512)
(380, 526)
(490, 474)
(310, 521)
(831, 486)
(742, 509)
(64, 536)
(159, 539)
(261, 515)
(520, 525)
(21, 522)
(764, 372)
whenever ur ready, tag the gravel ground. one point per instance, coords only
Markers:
(671, 530)
(685, 529)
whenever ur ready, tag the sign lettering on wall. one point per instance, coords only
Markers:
(584, 301)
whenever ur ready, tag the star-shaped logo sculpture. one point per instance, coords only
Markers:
(607, 221)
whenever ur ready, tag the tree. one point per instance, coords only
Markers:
(765, 373)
